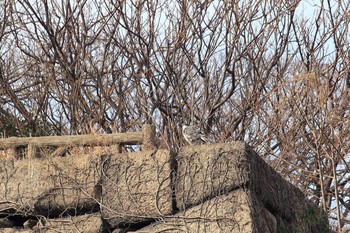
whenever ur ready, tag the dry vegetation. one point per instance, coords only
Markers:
(257, 71)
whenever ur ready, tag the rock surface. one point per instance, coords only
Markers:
(49, 186)
(238, 211)
(207, 171)
(136, 187)
(89, 223)
(206, 188)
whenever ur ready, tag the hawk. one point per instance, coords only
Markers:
(193, 134)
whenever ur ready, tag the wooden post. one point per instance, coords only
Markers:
(130, 138)
(148, 142)
(146, 138)
(31, 151)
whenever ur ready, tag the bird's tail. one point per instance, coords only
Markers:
(204, 138)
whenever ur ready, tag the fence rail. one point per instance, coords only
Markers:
(146, 138)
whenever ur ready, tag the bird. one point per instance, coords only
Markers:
(192, 134)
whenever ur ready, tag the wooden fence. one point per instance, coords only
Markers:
(146, 138)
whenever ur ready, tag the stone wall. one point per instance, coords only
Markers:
(207, 188)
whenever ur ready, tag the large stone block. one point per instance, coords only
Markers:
(207, 171)
(14, 230)
(89, 223)
(235, 212)
(137, 187)
(49, 186)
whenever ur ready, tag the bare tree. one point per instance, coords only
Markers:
(256, 71)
